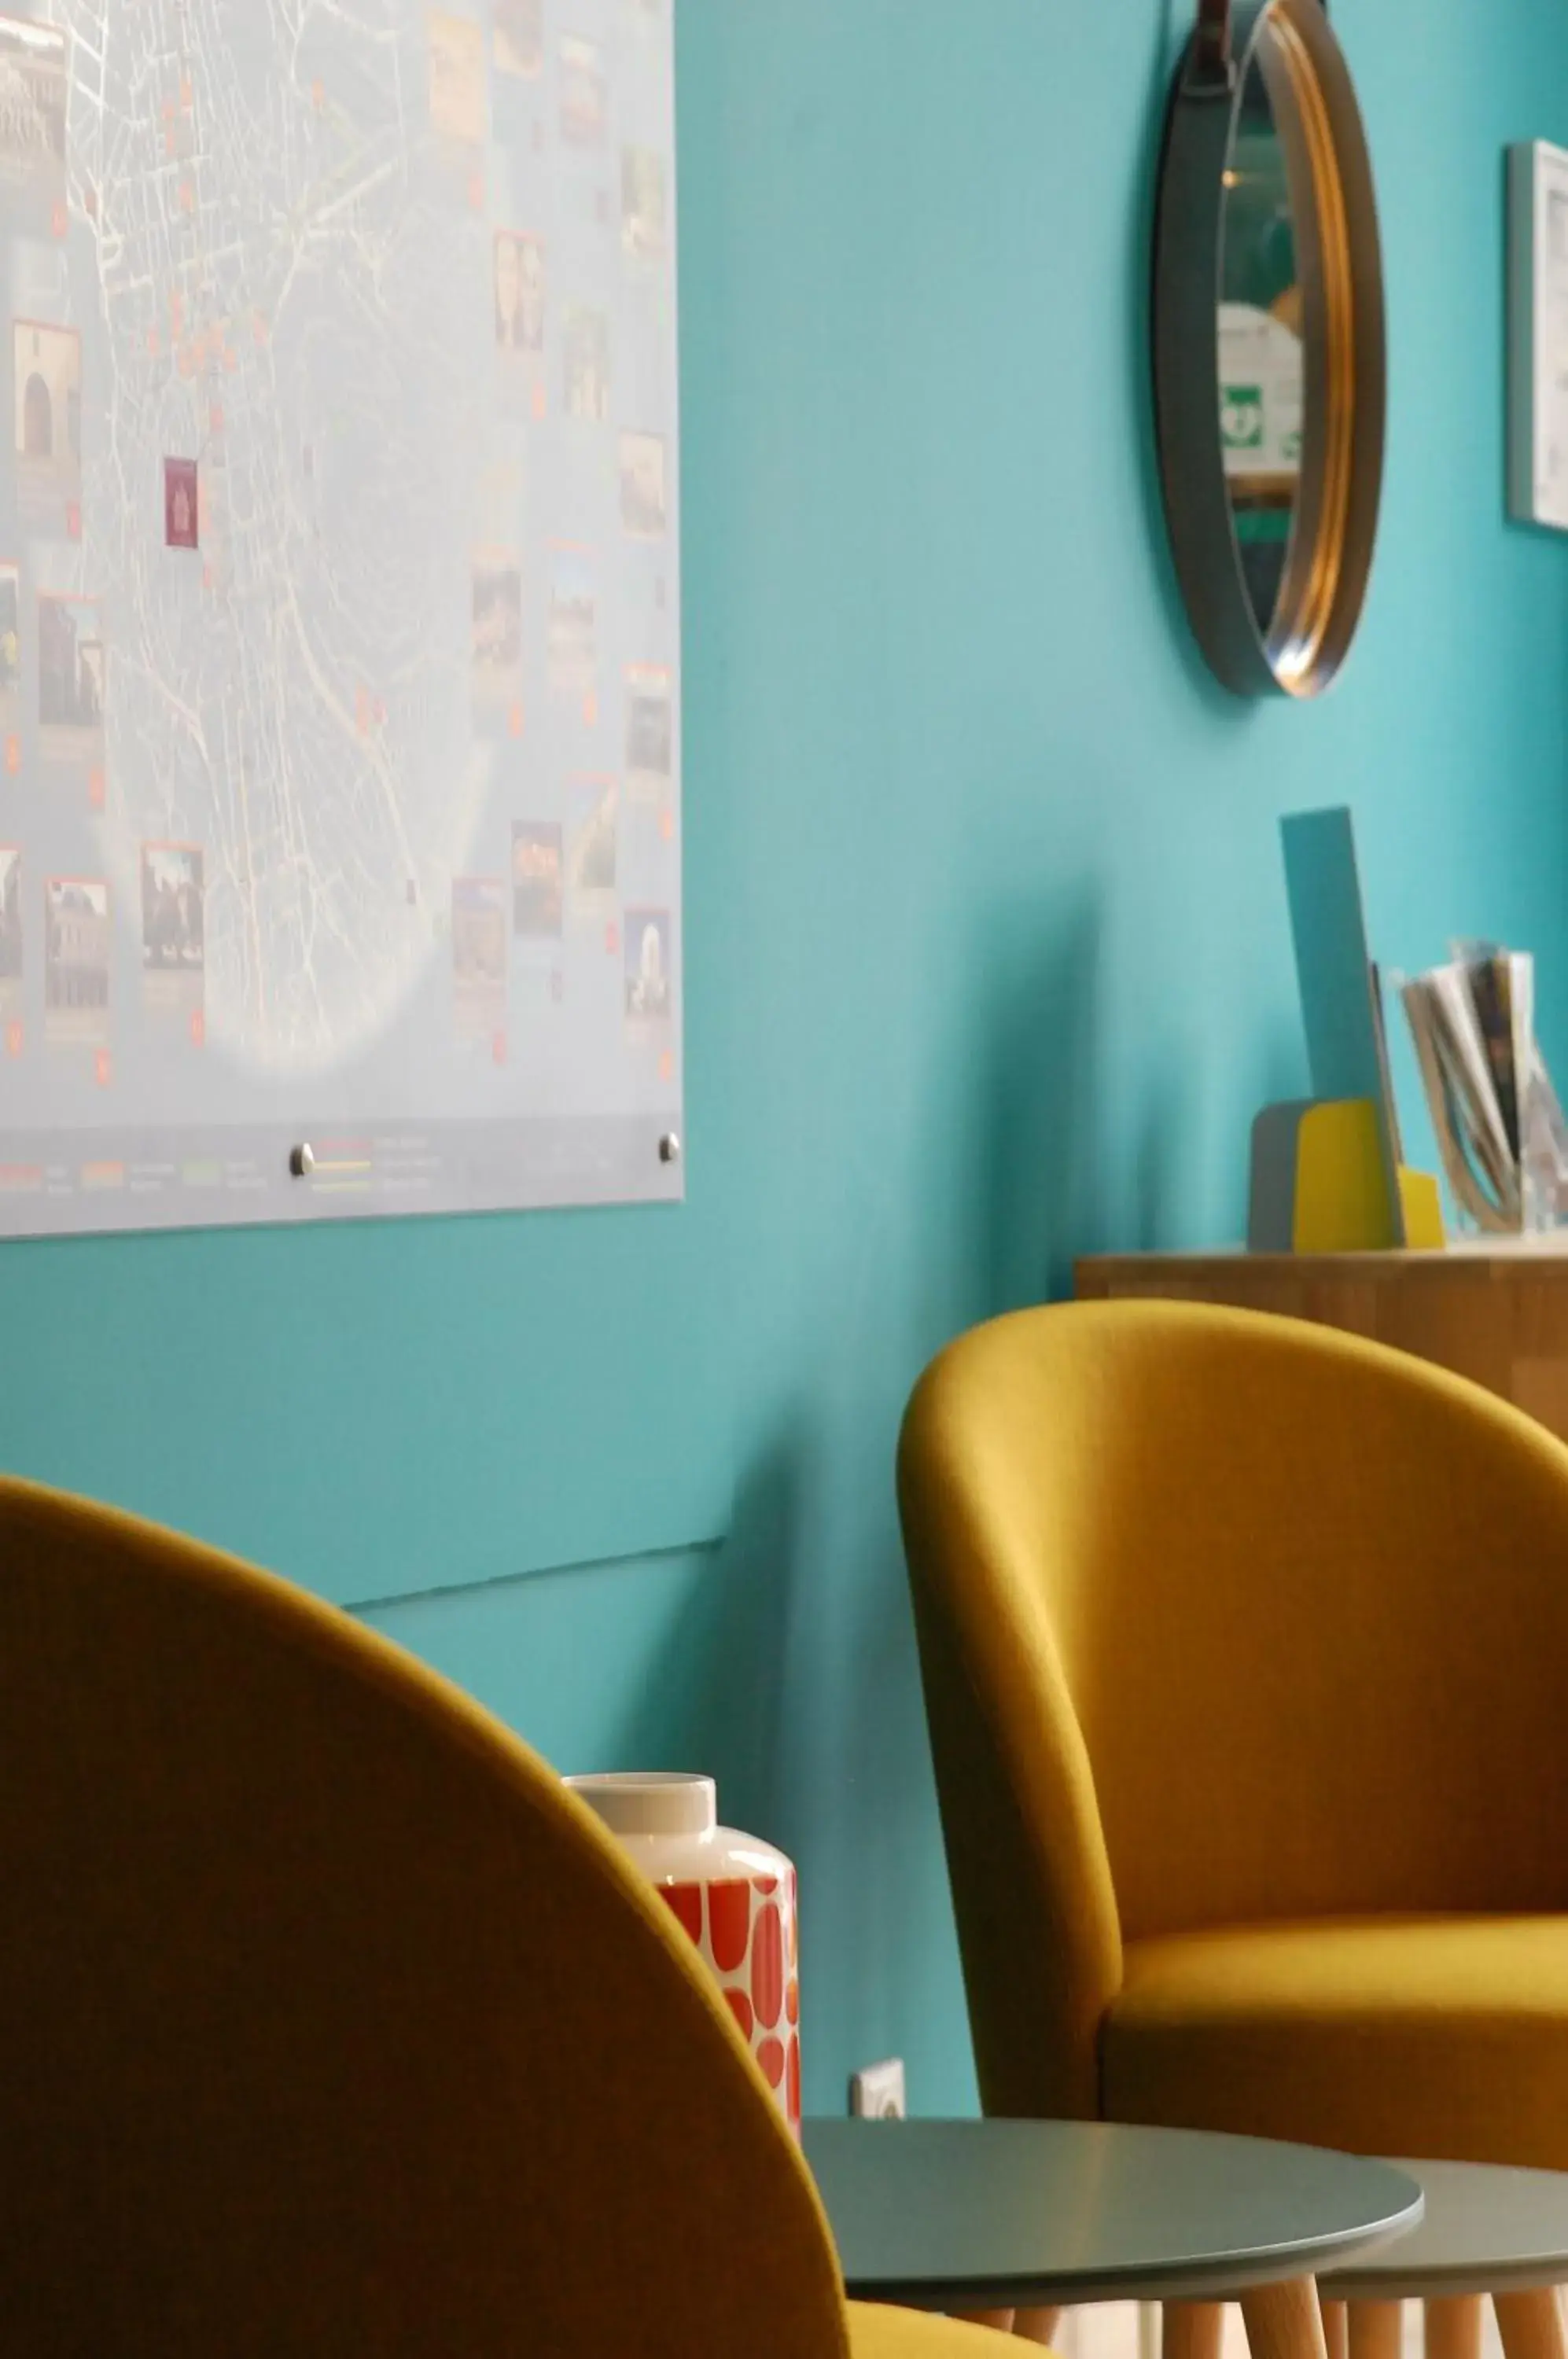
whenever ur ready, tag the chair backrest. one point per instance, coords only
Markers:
(1223, 1619)
(329, 2023)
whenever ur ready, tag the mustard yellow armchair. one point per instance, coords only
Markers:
(331, 2025)
(1245, 1648)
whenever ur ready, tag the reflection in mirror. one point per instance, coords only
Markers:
(1261, 368)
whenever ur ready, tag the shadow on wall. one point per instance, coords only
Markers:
(714, 1700)
(1037, 1194)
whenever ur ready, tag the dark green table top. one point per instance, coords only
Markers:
(975, 2215)
(1487, 2229)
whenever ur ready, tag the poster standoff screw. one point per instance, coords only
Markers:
(302, 1161)
(670, 1148)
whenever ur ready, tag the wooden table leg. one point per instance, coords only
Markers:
(1530, 2325)
(1377, 2330)
(1335, 2329)
(1454, 2327)
(1283, 2321)
(1191, 2330)
(1037, 2326)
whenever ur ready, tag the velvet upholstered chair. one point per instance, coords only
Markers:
(1245, 1648)
(330, 2024)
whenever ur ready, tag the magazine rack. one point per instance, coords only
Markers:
(1319, 1184)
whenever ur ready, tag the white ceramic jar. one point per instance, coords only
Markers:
(735, 1895)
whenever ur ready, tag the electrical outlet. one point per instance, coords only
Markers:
(876, 2092)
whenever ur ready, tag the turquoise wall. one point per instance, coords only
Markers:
(987, 949)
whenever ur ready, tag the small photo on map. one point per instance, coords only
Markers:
(592, 861)
(497, 629)
(78, 948)
(644, 499)
(458, 79)
(32, 106)
(574, 620)
(586, 342)
(650, 733)
(70, 679)
(10, 929)
(173, 924)
(645, 206)
(584, 100)
(649, 990)
(49, 410)
(181, 503)
(520, 291)
(519, 38)
(536, 886)
(174, 954)
(10, 646)
(478, 955)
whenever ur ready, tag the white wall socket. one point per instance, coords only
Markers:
(876, 2092)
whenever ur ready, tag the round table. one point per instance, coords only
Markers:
(998, 2214)
(1487, 2230)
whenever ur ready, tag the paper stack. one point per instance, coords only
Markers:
(1498, 1124)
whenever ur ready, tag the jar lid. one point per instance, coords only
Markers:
(651, 1802)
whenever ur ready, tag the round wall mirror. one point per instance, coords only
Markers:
(1269, 345)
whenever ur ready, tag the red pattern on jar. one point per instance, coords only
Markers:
(740, 2008)
(768, 1965)
(686, 1901)
(729, 1924)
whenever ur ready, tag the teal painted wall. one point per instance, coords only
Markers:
(988, 955)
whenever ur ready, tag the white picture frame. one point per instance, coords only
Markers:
(1537, 334)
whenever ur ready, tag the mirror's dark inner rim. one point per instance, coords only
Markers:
(1186, 355)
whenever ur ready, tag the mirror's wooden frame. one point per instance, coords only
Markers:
(1340, 264)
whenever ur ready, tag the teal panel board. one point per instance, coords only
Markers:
(611, 1682)
(1328, 924)
(400, 1407)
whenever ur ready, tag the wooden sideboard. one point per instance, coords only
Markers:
(1495, 1313)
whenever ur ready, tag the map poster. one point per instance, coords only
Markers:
(339, 610)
